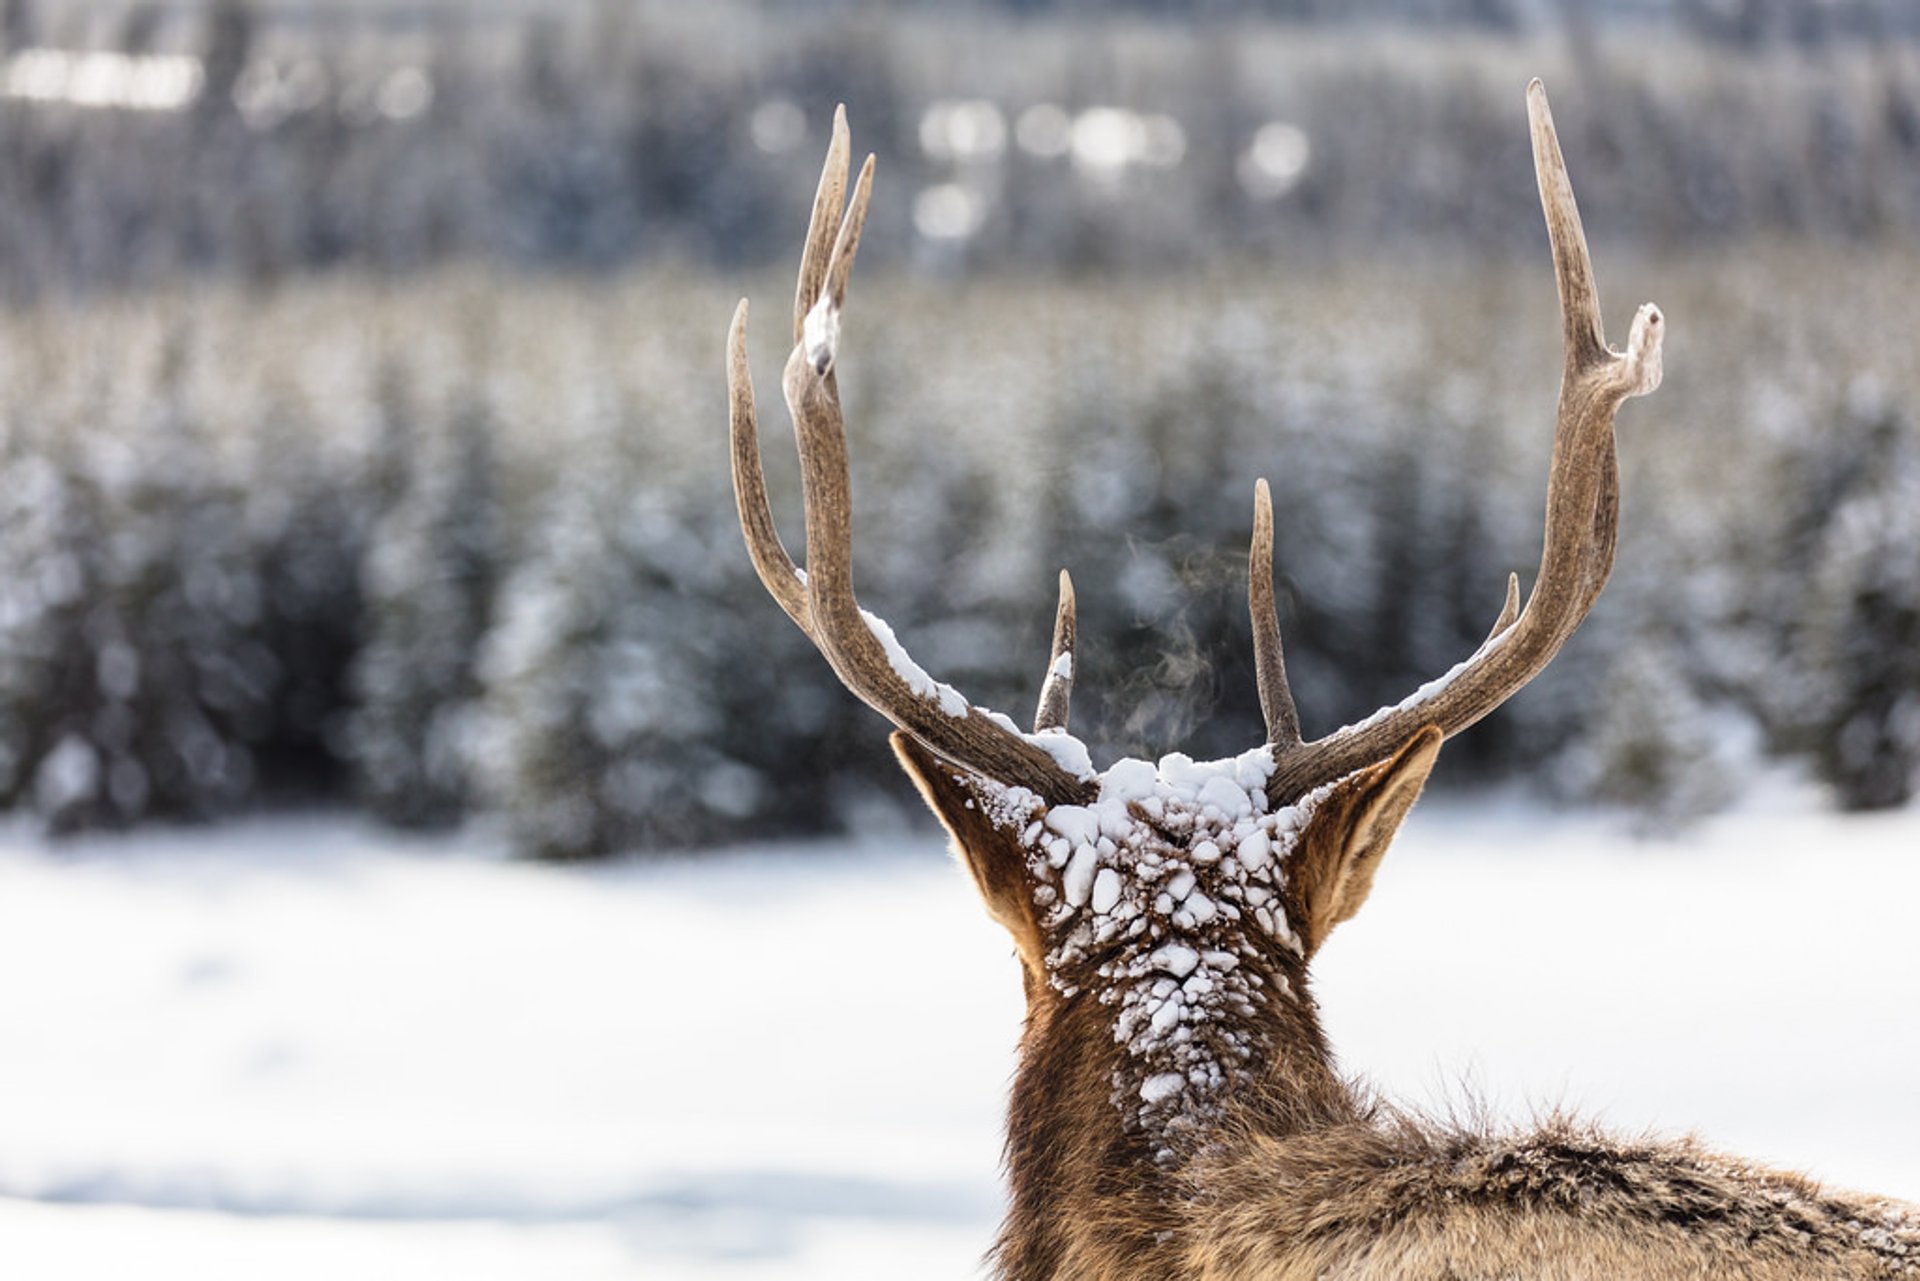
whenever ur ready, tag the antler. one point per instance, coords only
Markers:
(1583, 506)
(860, 646)
(1057, 690)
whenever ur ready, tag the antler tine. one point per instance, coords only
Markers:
(782, 578)
(820, 327)
(828, 199)
(1508, 611)
(861, 647)
(1583, 337)
(1583, 482)
(1269, 659)
(1056, 692)
(1583, 500)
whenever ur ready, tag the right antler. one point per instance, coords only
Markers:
(1583, 507)
(861, 647)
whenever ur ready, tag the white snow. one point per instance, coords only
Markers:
(1158, 1089)
(1001, 719)
(1063, 665)
(951, 701)
(1435, 687)
(304, 1049)
(1067, 751)
(1078, 824)
(1178, 959)
(1076, 881)
(820, 331)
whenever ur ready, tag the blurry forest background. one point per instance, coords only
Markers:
(362, 415)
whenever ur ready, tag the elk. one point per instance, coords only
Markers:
(1176, 1112)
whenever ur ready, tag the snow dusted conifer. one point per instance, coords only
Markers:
(1861, 628)
(135, 637)
(1836, 619)
(539, 757)
(49, 541)
(308, 508)
(184, 684)
(590, 722)
(1651, 743)
(428, 578)
(622, 688)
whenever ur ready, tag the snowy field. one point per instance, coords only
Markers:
(302, 1048)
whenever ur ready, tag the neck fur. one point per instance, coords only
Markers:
(1163, 903)
(1175, 994)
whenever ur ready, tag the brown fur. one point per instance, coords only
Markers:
(1331, 874)
(1309, 1179)
(995, 865)
(1393, 1197)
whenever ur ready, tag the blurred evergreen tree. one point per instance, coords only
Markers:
(1648, 743)
(308, 513)
(136, 677)
(428, 583)
(1861, 625)
(49, 577)
(599, 732)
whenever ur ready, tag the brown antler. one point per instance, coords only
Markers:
(1057, 690)
(861, 647)
(1583, 505)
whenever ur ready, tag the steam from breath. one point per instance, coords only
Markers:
(1160, 701)
(1164, 700)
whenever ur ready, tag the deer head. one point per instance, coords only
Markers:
(1165, 913)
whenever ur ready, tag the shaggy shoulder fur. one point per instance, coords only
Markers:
(1390, 1197)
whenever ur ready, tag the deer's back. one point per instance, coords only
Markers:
(1406, 1201)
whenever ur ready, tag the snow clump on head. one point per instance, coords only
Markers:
(1166, 885)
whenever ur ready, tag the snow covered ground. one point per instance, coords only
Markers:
(300, 1048)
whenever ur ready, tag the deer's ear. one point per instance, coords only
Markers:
(992, 855)
(1332, 871)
